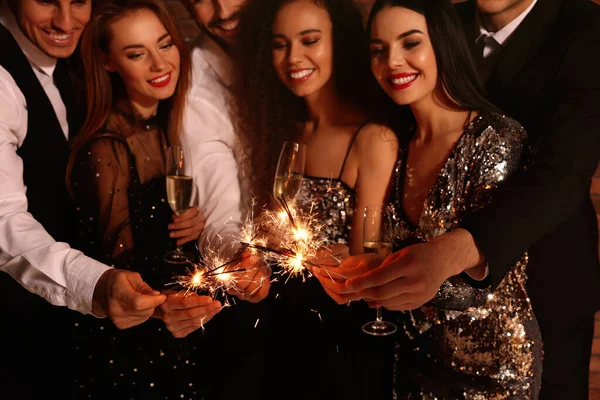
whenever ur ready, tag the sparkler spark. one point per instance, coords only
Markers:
(213, 275)
(285, 237)
(294, 239)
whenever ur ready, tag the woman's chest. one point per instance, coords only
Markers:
(429, 201)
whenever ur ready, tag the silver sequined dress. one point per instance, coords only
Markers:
(327, 339)
(330, 201)
(468, 342)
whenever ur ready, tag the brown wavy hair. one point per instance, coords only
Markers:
(267, 112)
(104, 89)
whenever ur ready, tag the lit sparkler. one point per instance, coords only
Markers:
(293, 239)
(284, 237)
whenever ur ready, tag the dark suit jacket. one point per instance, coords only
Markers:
(548, 78)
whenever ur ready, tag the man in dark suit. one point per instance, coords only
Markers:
(546, 75)
(540, 62)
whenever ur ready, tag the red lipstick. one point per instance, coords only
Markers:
(406, 83)
(162, 83)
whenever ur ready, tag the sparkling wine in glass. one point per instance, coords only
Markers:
(378, 239)
(179, 193)
(290, 170)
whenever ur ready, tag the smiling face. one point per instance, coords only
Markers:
(303, 47)
(142, 52)
(402, 56)
(54, 26)
(219, 19)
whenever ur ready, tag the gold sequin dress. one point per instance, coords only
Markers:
(469, 342)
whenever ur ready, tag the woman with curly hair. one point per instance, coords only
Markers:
(304, 77)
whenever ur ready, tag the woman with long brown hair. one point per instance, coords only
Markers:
(137, 72)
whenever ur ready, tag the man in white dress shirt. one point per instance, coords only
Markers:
(238, 333)
(208, 130)
(35, 36)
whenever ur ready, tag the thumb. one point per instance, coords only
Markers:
(249, 260)
(140, 286)
(140, 296)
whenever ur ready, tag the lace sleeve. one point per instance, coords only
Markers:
(102, 193)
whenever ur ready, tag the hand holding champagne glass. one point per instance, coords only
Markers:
(290, 170)
(378, 239)
(179, 193)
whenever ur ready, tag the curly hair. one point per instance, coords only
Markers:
(267, 112)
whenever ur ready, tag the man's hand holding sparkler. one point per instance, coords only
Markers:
(254, 282)
(183, 313)
(125, 298)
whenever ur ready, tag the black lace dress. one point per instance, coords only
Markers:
(469, 342)
(119, 185)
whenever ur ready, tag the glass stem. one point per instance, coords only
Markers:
(379, 319)
(178, 249)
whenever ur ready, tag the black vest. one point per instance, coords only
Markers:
(37, 339)
(45, 150)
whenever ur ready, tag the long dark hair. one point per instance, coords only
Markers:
(456, 70)
(104, 90)
(267, 112)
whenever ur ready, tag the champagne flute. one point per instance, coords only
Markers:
(179, 193)
(378, 239)
(290, 170)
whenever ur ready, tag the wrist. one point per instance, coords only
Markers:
(100, 296)
(461, 252)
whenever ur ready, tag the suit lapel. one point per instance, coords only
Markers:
(522, 45)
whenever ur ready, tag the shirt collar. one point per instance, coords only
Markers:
(217, 58)
(502, 35)
(37, 58)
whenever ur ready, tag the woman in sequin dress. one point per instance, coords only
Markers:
(294, 86)
(137, 76)
(467, 342)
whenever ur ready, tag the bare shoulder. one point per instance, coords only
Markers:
(374, 137)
